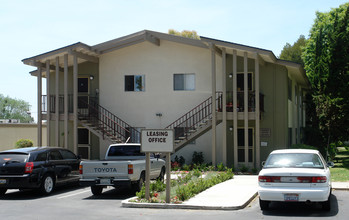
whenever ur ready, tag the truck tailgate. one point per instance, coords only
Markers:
(101, 169)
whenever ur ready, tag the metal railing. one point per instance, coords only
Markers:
(240, 102)
(107, 122)
(189, 121)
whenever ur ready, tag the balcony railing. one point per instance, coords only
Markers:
(240, 105)
(52, 108)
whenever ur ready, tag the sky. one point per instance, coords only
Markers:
(32, 27)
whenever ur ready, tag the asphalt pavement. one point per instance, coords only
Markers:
(232, 194)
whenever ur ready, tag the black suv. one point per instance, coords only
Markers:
(37, 168)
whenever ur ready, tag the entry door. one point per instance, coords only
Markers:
(241, 145)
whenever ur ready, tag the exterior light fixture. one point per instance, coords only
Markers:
(91, 77)
(230, 75)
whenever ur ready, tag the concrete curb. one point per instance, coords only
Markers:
(126, 204)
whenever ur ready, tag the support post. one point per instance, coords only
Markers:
(39, 106)
(57, 103)
(147, 176)
(213, 72)
(257, 111)
(246, 108)
(235, 109)
(48, 102)
(168, 177)
(75, 103)
(224, 104)
(66, 112)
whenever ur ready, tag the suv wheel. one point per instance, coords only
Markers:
(2, 191)
(47, 184)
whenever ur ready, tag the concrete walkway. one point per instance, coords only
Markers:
(233, 194)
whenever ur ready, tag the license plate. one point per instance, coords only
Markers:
(291, 197)
(104, 181)
(2, 181)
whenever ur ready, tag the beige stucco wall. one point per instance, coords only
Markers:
(158, 64)
(11, 133)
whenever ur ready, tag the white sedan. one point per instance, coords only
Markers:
(295, 175)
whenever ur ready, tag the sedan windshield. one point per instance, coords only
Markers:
(294, 160)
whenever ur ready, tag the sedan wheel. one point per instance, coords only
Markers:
(264, 205)
(326, 206)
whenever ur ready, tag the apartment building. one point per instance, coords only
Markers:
(234, 103)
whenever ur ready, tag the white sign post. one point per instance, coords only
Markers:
(157, 141)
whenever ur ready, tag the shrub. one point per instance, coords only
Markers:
(22, 143)
(197, 158)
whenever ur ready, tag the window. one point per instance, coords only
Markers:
(55, 155)
(240, 81)
(41, 157)
(241, 145)
(134, 83)
(83, 136)
(184, 82)
(289, 89)
(83, 85)
(67, 155)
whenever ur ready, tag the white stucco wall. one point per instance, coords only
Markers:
(158, 64)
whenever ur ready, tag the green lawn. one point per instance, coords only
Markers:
(340, 171)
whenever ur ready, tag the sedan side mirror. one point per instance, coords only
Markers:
(330, 164)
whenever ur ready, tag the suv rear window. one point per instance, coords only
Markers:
(13, 158)
(294, 160)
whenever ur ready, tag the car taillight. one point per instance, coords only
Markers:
(130, 169)
(29, 167)
(80, 169)
(269, 179)
(319, 179)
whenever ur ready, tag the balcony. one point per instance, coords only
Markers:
(240, 105)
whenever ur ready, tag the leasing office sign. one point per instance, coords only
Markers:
(157, 140)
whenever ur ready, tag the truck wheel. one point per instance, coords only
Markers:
(2, 192)
(140, 182)
(162, 175)
(96, 190)
(47, 184)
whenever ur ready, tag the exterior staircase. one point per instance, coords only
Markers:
(194, 123)
(105, 124)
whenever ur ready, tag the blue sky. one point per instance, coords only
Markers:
(32, 27)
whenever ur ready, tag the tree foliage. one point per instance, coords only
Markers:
(326, 60)
(185, 33)
(14, 109)
(294, 52)
(22, 143)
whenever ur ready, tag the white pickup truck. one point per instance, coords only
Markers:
(124, 165)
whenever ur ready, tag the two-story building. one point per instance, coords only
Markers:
(234, 103)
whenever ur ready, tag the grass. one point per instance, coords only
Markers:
(340, 171)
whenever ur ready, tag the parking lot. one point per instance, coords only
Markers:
(74, 202)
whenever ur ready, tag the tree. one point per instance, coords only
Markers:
(294, 52)
(326, 61)
(185, 33)
(14, 109)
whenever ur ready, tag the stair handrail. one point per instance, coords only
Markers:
(195, 116)
(110, 122)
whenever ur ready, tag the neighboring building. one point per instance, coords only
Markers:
(11, 132)
(155, 80)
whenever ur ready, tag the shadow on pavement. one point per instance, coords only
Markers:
(301, 209)
(113, 193)
(35, 194)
